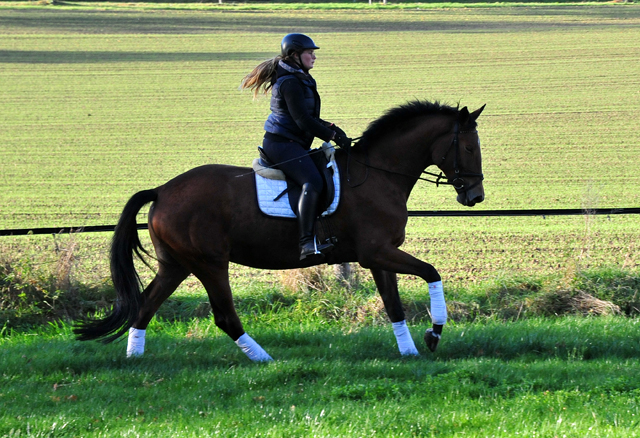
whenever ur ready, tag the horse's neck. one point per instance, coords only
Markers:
(409, 152)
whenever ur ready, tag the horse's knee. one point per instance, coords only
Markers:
(432, 275)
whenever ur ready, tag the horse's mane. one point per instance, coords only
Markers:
(403, 114)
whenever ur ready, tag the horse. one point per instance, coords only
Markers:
(207, 217)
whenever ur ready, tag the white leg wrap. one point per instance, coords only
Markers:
(438, 305)
(135, 346)
(251, 348)
(405, 342)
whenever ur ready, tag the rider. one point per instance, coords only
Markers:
(293, 124)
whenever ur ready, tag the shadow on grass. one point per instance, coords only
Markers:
(96, 57)
(198, 344)
(316, 368)
(211, 21)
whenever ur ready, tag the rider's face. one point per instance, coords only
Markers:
(307, 58)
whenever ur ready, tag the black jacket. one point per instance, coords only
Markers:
(295, 108)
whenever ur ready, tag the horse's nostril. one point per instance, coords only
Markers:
(469, 201)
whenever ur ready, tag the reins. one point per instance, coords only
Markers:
(457, 182)
(368, 166)
(275, 166)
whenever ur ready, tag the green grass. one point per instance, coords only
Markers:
(573, 377)
(100, 104)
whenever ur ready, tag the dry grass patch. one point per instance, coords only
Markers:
(572, 302)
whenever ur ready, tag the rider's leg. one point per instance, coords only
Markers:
(296, 163)
(307, 213)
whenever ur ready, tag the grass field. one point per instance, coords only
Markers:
(539, 378)
(101, 101)
(100, 104)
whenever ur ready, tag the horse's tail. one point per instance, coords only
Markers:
(125, 278)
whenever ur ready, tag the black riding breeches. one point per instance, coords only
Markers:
(294, 161)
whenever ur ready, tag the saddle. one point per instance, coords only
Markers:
(270, 181)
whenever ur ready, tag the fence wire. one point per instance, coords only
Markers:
(419, 213)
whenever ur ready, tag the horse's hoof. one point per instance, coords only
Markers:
(431, 339)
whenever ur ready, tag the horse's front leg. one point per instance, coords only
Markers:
(393, 260)
(387, 283)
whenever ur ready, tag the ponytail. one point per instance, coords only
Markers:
(262, 77)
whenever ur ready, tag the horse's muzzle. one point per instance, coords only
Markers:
(471, 197)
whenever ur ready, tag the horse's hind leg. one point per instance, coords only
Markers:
(167, 279)
(216, 282)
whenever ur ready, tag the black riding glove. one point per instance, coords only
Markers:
(342, 140)
(337, 130)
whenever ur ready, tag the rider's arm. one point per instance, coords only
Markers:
(294, 97)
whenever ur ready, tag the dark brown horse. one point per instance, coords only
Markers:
(207, 217)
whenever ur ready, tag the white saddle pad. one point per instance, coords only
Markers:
(270, 189)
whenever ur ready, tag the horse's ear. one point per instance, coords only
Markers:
(463, 116)
(474, 115)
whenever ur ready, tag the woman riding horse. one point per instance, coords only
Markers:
(206, 218)
(293, 124)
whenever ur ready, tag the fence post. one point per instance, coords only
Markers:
(342, 272)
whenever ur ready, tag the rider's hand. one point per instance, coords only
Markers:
(342, 140)
(337, 129)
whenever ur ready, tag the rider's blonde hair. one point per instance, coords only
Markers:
(262, 77)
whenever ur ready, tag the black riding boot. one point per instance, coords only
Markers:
(307, 213)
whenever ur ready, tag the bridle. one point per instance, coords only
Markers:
(457, 181)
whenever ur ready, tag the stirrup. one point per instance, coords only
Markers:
(325, 247)
(312, 248)
(309, 249)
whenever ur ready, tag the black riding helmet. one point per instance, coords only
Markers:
(296, 43)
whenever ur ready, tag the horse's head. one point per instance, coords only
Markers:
(460, 158)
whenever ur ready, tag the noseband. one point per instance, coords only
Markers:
(457, 181)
